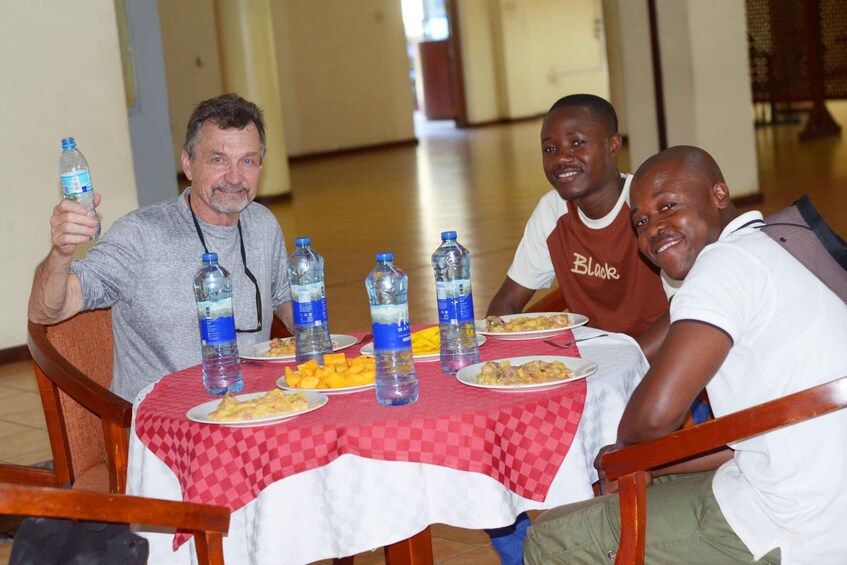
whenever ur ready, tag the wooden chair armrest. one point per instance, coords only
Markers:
(21, 475)
(208, 523)
(714, 434)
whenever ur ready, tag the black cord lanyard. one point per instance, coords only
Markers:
(243, 259)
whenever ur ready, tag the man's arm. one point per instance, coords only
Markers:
(651, 340)
(285, 313)
(690, 356)
(510, 299)
(57, 294)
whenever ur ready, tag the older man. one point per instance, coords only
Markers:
(751, 324)
(143, 267)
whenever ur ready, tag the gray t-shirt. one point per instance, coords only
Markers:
(144, 268)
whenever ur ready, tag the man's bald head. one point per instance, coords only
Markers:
(680, 203)
(693, 159)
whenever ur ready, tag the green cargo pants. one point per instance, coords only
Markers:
(684, 526)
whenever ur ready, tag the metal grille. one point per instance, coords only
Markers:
(778, 49)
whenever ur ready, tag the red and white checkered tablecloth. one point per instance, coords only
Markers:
(519, 439)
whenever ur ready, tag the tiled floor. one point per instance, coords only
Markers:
(497, 172)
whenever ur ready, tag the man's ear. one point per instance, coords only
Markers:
(615, 143)
(186, 164)
(720, 195)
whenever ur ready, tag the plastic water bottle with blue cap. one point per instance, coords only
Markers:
(452, 265)
(308, 300)
(213, 291)
(76, 178)
(388, 292)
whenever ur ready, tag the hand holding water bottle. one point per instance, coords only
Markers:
(71, 225)
(74, 219)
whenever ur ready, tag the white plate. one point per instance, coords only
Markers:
(368, 351)
(576, 320)
(259, 351)
(280, 382)
(200, 413)
(581, 368)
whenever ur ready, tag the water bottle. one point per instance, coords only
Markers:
(308, 299)
(76, 178)
(213, 291)
(452, 265)
(388, 288)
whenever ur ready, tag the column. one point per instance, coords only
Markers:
(248, 68)
(705, 79)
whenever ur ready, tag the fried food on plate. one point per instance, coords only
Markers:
(534, 372)
(273, 403)
(496, 324)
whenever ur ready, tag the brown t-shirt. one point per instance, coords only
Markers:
(602, 274)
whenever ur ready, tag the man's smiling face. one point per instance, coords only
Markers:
(675, 211)
(579, 151)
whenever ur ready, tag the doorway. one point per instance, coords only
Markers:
(433, 50)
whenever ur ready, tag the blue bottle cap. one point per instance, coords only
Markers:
(386, 256)
(302, 241)
(68, 143)
(448, 235)
(210, 257)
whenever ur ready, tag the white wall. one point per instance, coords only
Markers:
(481, 54)
(551, 49)
(192, 60)
(344, 74)
(61, 64)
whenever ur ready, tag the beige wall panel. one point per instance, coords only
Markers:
(480, 55)
(614, 56)
(192, 61)
(344, 74)
(638, 81)
(722, 91)
(551, 49)
(64, 61)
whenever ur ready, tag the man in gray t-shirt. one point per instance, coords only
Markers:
(143, 267)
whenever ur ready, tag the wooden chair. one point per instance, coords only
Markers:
(87, 423)
(631, 466)
(18, 497)
(552, 301)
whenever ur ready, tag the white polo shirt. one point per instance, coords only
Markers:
(786, 488)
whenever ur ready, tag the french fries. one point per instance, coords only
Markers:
(426, 342)
(337, 372)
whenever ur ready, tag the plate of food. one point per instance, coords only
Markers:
(281, 349)
(256, 408)
(339, 375)
(536, 325)
(426, 345)
(526, 374)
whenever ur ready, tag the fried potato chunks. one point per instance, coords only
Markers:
(337, 372)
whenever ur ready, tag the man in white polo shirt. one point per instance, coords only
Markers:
(751, 324)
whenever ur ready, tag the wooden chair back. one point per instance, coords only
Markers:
(631, 466)
(207, 523)
(552, 301)
(87, 424)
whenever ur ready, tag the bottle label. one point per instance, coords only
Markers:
(309, 304)
(391, 328)
(74, 184)
(455, 301)
(217, 324)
